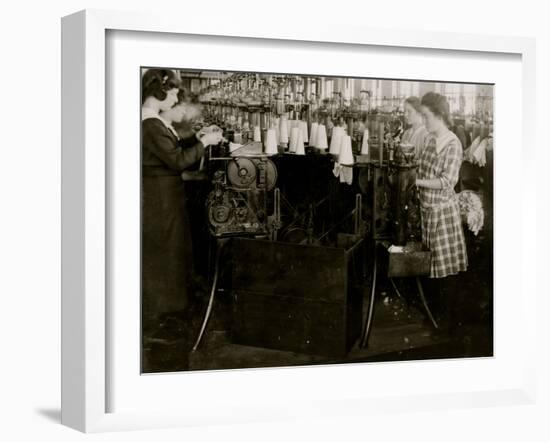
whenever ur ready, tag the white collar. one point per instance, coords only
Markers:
(147, 112)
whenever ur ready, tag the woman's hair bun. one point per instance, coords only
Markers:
(156, 82)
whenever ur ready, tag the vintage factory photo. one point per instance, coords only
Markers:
(303, 219)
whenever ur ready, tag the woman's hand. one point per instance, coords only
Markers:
(211, 138)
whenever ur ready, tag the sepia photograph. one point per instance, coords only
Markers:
(297, 219)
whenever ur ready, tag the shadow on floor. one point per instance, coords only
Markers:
(51, 414)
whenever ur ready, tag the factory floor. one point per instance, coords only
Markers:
(400, 332)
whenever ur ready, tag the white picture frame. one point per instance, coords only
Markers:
(85, 351)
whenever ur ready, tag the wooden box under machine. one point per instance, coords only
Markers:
(296, 297)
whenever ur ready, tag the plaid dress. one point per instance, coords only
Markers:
(441, 222)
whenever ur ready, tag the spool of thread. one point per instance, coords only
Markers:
(346, 154)
(336, 140)
(321, 142)
(271, 142)
(300, 143)
(293, 139)
(257, 134)
(275, 126)
(288, 125)
(313, 137)
(365, 144)
(283, 131)
(303, 129)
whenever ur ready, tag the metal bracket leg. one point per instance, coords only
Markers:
(368, 324)
(395, 288)
(212, 294)
(423, 298)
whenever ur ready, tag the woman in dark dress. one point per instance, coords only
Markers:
(165, 226)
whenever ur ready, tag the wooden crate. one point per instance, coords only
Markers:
(296, 297)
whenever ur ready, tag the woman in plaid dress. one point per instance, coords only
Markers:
(441, 222)
(437, 176)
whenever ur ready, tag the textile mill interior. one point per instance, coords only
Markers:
(299, 219)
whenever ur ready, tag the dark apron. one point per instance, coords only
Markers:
(166, 243)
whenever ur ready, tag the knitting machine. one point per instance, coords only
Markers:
(388, 181)
(404, 199)
(243, 186)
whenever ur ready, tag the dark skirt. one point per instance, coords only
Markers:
(166, 246)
